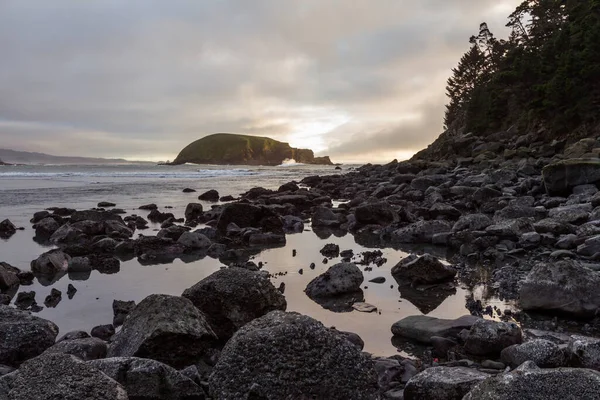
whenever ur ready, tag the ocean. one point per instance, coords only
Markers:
(27, 189)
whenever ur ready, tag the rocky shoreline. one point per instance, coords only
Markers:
(522, 217)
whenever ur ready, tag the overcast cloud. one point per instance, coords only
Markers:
(360, 80)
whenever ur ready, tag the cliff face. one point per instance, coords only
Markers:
(232, 149)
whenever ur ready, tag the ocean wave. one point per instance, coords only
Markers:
(132, 174)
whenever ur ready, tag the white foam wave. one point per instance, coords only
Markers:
(131, 174)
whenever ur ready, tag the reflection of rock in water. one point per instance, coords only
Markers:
(326, 232)
(340, 303)
(410, 348)
(427, 297)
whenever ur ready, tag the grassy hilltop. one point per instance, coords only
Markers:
(233, 149)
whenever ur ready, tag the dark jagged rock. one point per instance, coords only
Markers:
(62, 376)
(443, 383)
(562, 176)
(149, 379)
(544, 353)
(210, 195)
(326, 365)
(339, 279)
(23, 336)
(531, 382)
(9, 277)
(232, 297)
(193, 211)
(234, 149)
(165, 328)
(562, 286)
(7, 229)
(490, 337)
(424, 269)
(422, 328)
(85, 348)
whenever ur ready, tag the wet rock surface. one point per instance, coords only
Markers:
(61, 376)
(232, 297)
(165, 328)
(326, 365)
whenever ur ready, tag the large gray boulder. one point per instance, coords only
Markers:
(23, 336)
(85, 348)
(443, 383)
(562, 176)
(46, 227)
(339, 279)
(194, 240)
(532, 383)
(584, 352)
(291, 356)
(53, 376)
(544, 353)
(424, 269)
(146, 379)
(232, 297)
(380, 213)
(562, 286)
(164, 328)
(8, 276)
(422, 328)
(51, 263)
(488, 337)
(193, 211)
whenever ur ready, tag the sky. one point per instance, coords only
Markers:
(358, 80)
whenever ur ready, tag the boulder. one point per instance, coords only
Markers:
(584, 352)
(147, 379)
(420, 231)
(424, 269)
(173, 232)
(532, 383)
(210, 195)
(380, 213)
(488, 337)
(8, 276)
(54, 376)
(193, 240)
(562, 176)
(232, 297)
(248, 215)
(46, 227)
(193, 211)
(324, 216)
(23, 336)
(7, 229)
(51, 263)
(292, 224)
(544, 353)
(422, 328)
(85, 349)
(165, 328)
(571, 214)
(291, 356)
(339, 279)
(561, 286)
(443, 383)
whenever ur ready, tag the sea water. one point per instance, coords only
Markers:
(27, 189)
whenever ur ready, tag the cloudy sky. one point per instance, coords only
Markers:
(359, 80)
